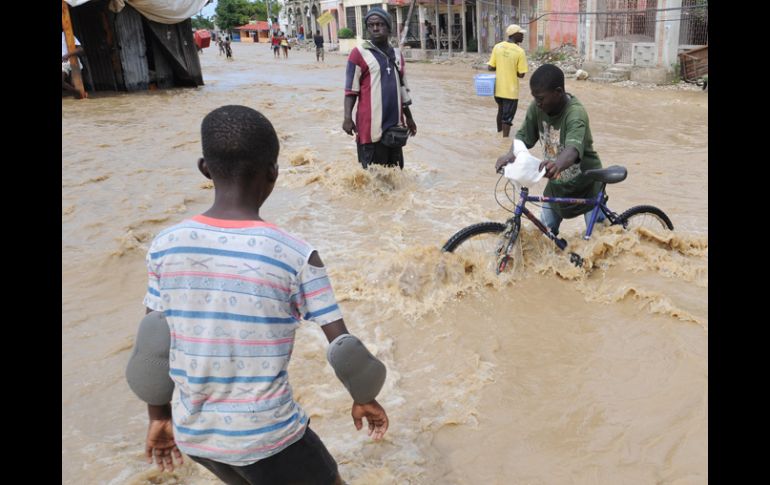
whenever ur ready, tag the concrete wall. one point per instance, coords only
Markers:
(667, 34)
(559, 29)
(666, 41)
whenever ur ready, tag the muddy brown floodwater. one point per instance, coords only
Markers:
(551, 374)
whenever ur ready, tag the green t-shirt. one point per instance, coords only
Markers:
(568, 128)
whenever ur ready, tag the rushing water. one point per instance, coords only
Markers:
(551, 374)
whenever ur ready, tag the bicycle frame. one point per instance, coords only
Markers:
(598, 203)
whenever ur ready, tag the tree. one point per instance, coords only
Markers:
(234, 13)
(260, 9)
(201, 22)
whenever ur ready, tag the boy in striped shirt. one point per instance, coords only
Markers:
(233, 289)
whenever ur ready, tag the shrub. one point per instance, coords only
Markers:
(345, 33)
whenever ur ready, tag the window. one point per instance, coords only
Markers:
(350, 17)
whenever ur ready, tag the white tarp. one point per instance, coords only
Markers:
(163, 11)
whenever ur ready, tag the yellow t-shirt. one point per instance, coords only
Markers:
(508, 59)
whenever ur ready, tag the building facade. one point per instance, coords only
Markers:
(640, 33)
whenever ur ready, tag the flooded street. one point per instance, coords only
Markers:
(550, 374)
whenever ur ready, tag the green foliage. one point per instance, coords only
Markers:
(677, 73)
(701, 10)
(201, 22)
(234, 13)
(260, 9)
(345, 33)
(275, 9)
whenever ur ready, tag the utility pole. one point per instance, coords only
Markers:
(406, 27)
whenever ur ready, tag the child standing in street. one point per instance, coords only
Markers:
(233, 288)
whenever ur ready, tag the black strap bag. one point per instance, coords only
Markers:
(395, 136)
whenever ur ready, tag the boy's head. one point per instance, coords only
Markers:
(239, 143)
(547, 86)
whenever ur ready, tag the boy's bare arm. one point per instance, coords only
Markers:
(565, 159)
(334, 329)
(376, 417)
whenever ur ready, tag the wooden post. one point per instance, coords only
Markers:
(465, 29)
(480, 47)
(437, 33)
(449, 21)
(421, 20)
(66, 23)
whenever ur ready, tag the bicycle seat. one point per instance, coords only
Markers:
(609, 175)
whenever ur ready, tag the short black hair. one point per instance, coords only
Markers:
(547, 76)
(238, 141)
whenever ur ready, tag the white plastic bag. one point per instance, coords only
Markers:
(524, 172)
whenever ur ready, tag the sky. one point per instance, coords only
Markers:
(208, 10)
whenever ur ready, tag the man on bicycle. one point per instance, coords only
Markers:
(560, 122)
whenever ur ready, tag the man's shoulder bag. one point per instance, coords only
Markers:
(395, 136)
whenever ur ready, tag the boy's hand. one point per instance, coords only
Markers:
(375, 416)
(161, 446)
(503, 161)
(552, 169)
(564, 160)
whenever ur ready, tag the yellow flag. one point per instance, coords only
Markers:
(325, 18)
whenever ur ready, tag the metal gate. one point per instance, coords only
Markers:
(694, 23)
(625, 22)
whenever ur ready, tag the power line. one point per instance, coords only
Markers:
(609, 12)
(577, 22)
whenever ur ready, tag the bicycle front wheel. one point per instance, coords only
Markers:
(647, 216)
(482, 238)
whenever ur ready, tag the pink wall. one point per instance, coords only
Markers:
(559, 28)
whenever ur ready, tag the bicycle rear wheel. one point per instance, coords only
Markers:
(644, 216)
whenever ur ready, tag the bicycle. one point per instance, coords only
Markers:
(640, 215)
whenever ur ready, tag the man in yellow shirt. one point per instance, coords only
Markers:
(509, 61)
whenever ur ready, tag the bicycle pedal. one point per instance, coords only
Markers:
(576, 259)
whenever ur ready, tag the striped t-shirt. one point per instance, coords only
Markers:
(233, 293)
(372, 77)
